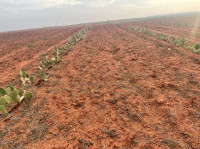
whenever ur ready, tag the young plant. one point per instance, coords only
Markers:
(57, 54)
(68, 46)
(25, 77)
(10, 95)
(43, 76)
(47, 63)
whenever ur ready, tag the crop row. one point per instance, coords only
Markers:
(10, 97)
(179, 42)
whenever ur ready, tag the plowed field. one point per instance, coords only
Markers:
(180, 26)
(117, 88)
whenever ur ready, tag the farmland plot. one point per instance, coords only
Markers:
(116, 88)
(20, 50)
(187, 27)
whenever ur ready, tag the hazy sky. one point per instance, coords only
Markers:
(24, 14)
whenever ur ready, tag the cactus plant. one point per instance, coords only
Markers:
(9, 95)
(47, 63)
(178, 42)
(25, 77)
(43, 76)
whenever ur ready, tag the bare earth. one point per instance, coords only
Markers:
(117, 88)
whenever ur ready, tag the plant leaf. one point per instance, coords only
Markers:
(27, 76)
(7, 99)
(20, 73)
(40, 74)
(2, 91)
(55, 48)
(2, 101)
(18, 99)
(40, 67)
(31, 79)
(28, 95)
(24, 74)
(11, 87)
(15, 95)
(23, 86)
(3, 109)
(8, 91)
(53, 59)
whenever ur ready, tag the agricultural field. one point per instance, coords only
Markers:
(101, 86)
(20, 50)
(179, 26)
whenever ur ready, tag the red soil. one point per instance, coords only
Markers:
(20, 50)
(168, 26)
(116, 89)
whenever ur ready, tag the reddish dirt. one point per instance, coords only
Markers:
(116, 89)
(173, 26)
(20, 50)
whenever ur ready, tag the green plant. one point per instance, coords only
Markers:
(179, 42)
(57, 55)
(194, 48)
(43, 76)
(75, 38)
(29, 46)
(25, 77)
(11, 94)
(7, 96)
(47, 63)
(68, 47)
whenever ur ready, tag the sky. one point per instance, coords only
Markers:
(27, 14)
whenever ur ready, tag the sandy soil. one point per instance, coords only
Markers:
(116, 89)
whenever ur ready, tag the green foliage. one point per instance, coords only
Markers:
(7, 98)
(28, 95)
(68, 47)
(3, 109)
(194, 48)
(57, 54)
(2, 92)
(29, 46)
(15, 96)
(25, 77)
(77, 37)
(182, 24)
(179, 42)
(11, 95)
(43, 76)
(47, 63)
